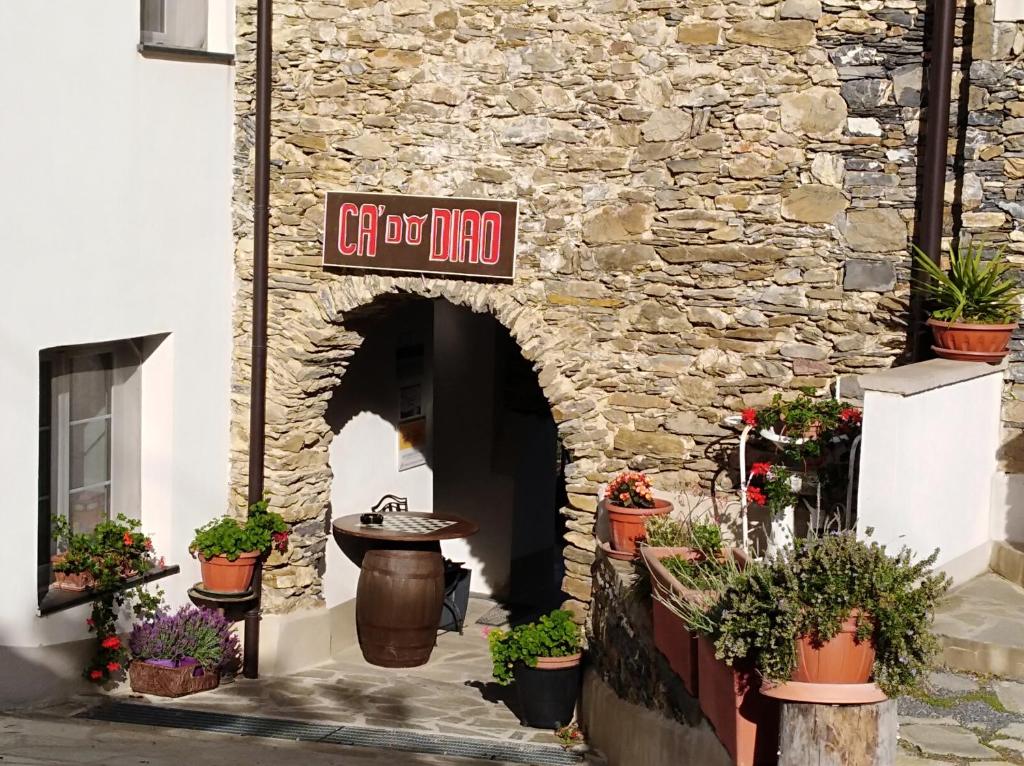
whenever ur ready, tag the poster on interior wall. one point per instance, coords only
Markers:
(412, 443)
(453, 236)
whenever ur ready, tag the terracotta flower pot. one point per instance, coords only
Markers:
(745, 721)
(627, 524)
(223, 576)
(966, 342)
(842, 660)
(74, 581)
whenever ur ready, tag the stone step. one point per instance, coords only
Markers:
(980, 626)
(1008, 561)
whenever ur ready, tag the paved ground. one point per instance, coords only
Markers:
(452, 694)
(981, 625)
(53, 741)
(961, 719)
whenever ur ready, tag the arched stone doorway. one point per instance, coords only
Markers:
(313, 339)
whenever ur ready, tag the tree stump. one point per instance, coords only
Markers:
(838, 735)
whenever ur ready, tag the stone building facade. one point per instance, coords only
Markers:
(716, 203)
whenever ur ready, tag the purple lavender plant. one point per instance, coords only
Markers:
(201, 634)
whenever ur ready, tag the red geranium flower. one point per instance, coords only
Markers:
(280, 541)
(851, 416)
(111, 642)
(128, 539)
(755, 495)
(96, 675)
(89, 622)
(760, 469)
(749, 416)
(113, 667)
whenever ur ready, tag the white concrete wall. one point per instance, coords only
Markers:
(116, 210)
(364, 452)
(928, 460)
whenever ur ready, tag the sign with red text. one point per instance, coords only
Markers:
(429, 235)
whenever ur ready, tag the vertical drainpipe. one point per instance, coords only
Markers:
(933, 187)
(258, 383)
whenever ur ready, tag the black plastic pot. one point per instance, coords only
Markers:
(547, 698)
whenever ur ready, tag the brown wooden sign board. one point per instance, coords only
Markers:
(429, 235)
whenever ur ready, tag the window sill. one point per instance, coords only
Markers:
(185, 54)
(59, 600)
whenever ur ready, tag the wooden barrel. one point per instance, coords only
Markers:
(398, 606)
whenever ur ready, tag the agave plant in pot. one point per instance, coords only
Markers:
(228, 548)
(628, 502)
(543, 658)
(830, 614)
(181, 653)
(976, 304)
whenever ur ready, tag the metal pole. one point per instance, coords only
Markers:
(933, 187)
(258, 383)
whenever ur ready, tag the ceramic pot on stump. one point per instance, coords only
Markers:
(627, 525)
(221, 575)
(966, 342)
(548, 692)
(841, 660)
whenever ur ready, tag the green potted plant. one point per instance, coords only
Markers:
(832, 610)
(801, 428)
(181, 653)
(543, 658)
(228, 548)
(628, 502)
(745, 721)
(976, 304)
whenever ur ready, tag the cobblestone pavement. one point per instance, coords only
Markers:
(52, 741)
(962, 719)
(451, 694)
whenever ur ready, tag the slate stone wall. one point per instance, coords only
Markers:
(716, 204)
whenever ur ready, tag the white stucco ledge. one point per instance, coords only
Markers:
(919, 377)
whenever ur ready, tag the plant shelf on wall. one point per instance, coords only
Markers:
(61, 600)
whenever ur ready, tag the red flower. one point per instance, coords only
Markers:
(111, 642)
(760, 469)
(749, 416)
(851, 416)
(89, 621)
(96, 675)
(128, 539)
(148, 543)
(113, 667)
(280, 541)
(755, 495)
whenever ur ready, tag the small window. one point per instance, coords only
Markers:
(180, 24)
(89, 438)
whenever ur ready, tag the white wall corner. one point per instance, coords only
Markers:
(1009, 10)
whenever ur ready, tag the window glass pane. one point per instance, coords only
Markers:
(153, 15)
(88, 507)
(90, 381)
(44, 462)
(89, 453)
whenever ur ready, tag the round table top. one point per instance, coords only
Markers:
(402, 527)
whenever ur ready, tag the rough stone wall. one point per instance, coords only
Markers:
(716, 201)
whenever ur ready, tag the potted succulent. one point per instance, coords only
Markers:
(228, 548)
(181, 653)
(832, 610)
(543, 658)
(629, 501)
(976, 303)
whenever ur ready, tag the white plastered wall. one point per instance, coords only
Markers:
(117, 224)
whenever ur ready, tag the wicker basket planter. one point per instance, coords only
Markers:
(164, 680)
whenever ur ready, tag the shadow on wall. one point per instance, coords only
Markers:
(491, 453)
(34, 675)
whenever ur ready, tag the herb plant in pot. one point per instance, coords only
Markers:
(976, 303)
(181, 653)
(228, 548)
(629, 501)
(833, 611)
(543, 658)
